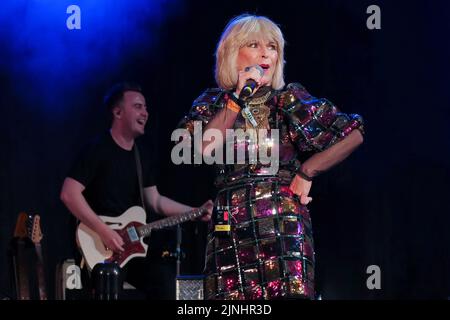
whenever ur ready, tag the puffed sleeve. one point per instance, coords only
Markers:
(188, 135)
(315, 124)
(204, 109)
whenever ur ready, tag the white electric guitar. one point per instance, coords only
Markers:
(132, 228)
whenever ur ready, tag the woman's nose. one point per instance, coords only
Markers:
(264, 52)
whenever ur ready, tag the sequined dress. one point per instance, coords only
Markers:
(269, 252)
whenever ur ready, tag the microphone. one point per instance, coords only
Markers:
(250, 84)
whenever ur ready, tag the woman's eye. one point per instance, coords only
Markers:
(253, 45)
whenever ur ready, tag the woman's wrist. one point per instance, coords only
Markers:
(233, 106)
(301, 172)
(233, 103)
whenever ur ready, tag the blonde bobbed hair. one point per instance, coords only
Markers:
(238, 32)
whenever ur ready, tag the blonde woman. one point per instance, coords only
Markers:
(260, 245)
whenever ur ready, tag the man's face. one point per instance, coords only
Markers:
(133, 113)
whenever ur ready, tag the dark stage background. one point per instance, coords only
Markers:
(386, 205)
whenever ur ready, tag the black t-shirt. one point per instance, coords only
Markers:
(109, 174)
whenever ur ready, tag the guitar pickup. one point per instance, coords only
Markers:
(132, 234)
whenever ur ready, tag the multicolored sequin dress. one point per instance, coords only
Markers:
(269, 253)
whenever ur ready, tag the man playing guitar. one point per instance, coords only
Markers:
(104, 181)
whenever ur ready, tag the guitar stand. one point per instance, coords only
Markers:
(178, 250)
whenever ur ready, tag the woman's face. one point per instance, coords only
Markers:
(261, 52)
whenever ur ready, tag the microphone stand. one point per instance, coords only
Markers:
(178, 250)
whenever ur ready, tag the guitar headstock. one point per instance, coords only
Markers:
(21, 229)
(36, 232)
(28, 226)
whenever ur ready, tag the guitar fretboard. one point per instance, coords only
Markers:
(169, 222)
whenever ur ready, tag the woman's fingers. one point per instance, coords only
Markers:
(250, 72)
(304, 199)
(301, 189)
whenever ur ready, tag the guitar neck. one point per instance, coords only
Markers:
(40, 272)
(145, 231)
(21, 273)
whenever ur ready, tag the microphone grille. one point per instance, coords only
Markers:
(260, 69)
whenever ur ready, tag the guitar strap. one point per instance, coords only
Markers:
(139, 173)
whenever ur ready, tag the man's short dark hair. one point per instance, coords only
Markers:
(115, 94)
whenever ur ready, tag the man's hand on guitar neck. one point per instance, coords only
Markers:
(208, 207)
(111, 239)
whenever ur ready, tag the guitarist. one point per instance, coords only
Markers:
(104, 181)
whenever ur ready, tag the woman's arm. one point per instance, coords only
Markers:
(222, 121)
(323, 161)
